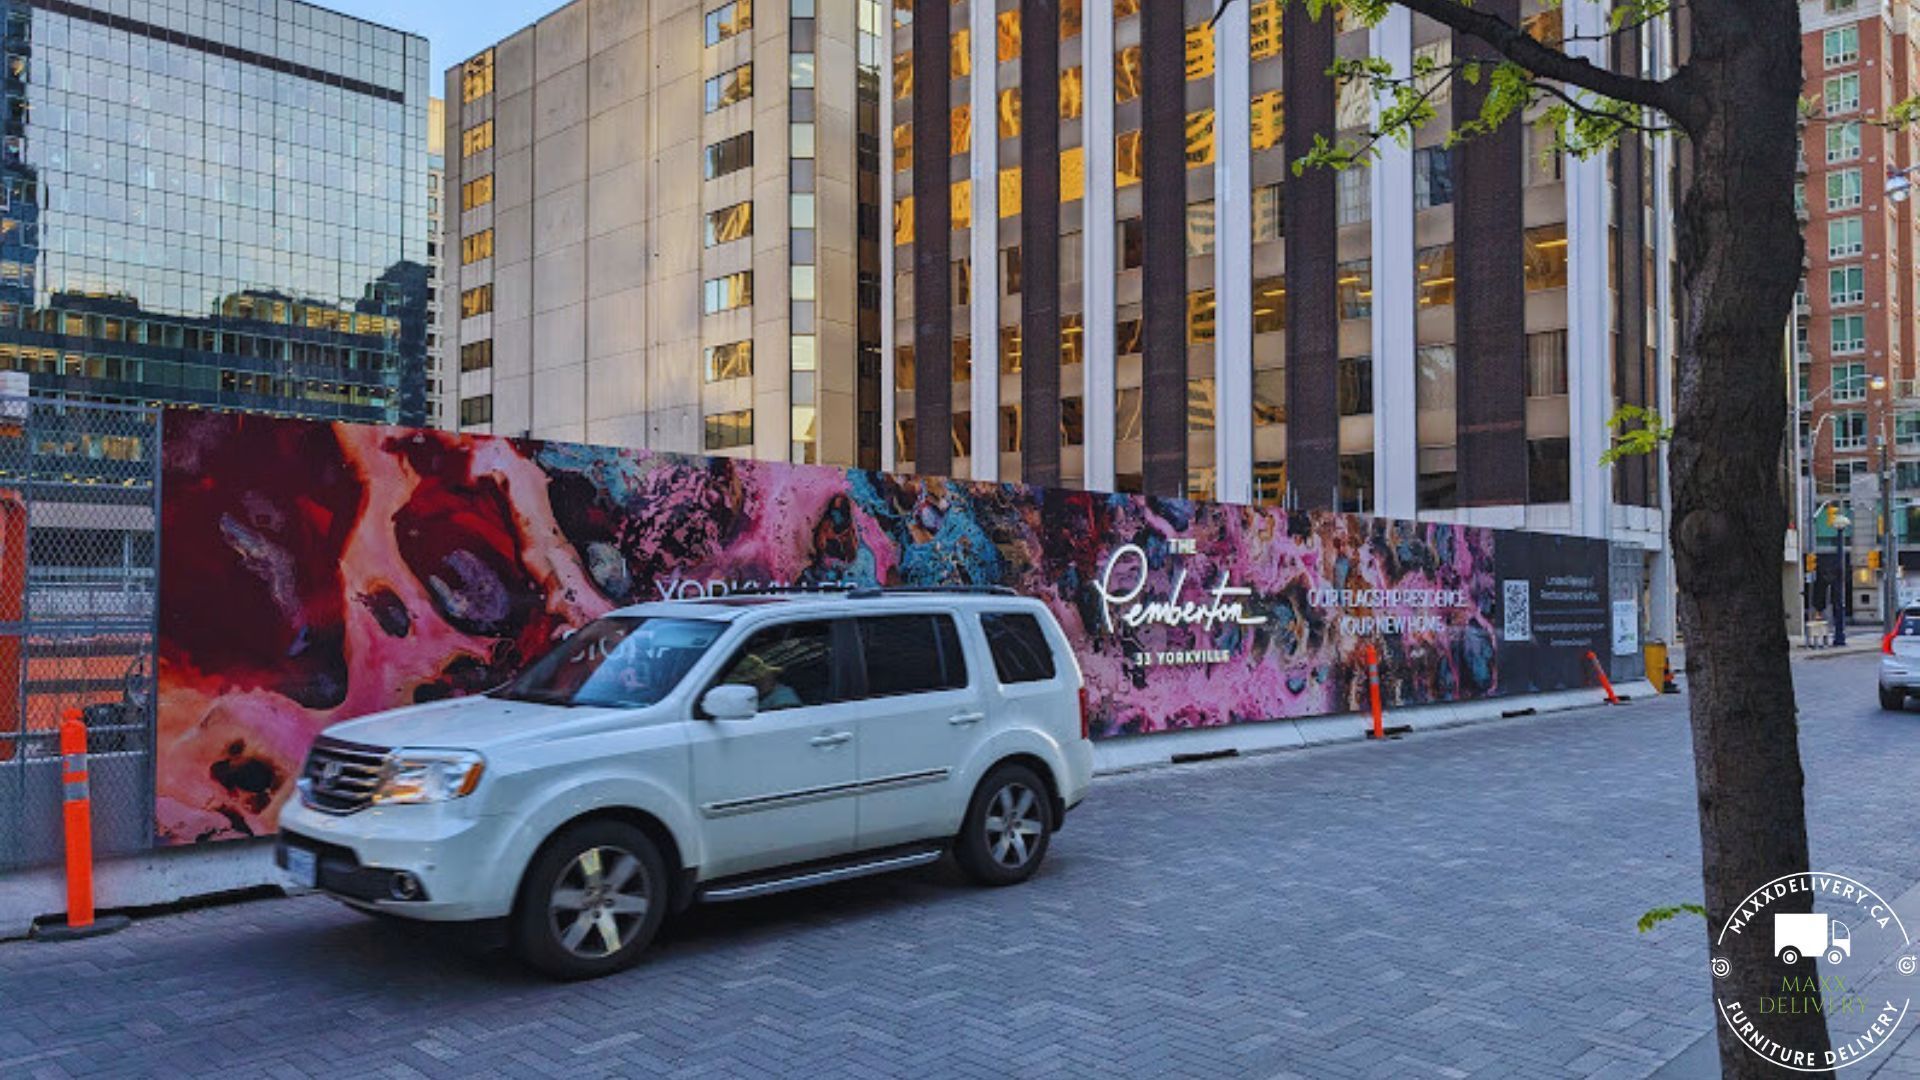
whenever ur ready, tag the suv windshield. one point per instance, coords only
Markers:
(618, 662)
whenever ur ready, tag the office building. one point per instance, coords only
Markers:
(668, 232)
(218, 203)
(436, 407)
(1105, 274)
(1858, 415)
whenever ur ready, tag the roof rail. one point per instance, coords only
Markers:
(835, 587)
(871, 591)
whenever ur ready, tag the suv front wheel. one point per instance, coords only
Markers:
(1007, 827)
(591, 901)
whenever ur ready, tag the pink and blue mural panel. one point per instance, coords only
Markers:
(313, 572)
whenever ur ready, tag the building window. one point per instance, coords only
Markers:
(1200, 138)
(1842, 94)
(962, 434)
(1355, 281)
(727, 292)
(1844, 189)
(1200, 317)
(476, 410)
(476, 247)
(1200, 228)
(1264, 27)
(1200, 407)
(729, 19)
(1841, 7)
(1009, 429)
(476, 81)
(476, 355)
(1906, 432)
(1847, 285)
(1850, 431)
(1073, 421)
(1433, 272)
(1269, 397)
(730, 155)
(731, 361)
(1546, 255)
(903, 367)
(1132, 243)
(1432, 177)
(1268, 220)
(800, 141)
(1356, 195)
(476, 301)
(1355, 385)
(730, 87)
(800, 71)
(1547, 364)
(1845, 237)
(1269, 120)
(1549, 470)
(476, 138)
(1849, 382)
(1270, 305)
(1007, 36)
(1842, 45)
(1843, 141)
(730, 429)
(729, 224)
(1849, 334)
(476, 192)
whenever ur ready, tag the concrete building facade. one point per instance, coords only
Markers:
(1105, 273)
(667, 231)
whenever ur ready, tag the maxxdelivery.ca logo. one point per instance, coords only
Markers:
(1842, 963)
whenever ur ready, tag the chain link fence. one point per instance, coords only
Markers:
(79, 542)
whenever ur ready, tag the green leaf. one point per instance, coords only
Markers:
(1659, 915)
(1637, 431)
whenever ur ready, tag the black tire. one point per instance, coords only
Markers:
(548, 930)
(987, 851)
(1892, 699)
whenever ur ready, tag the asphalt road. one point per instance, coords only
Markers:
(1453, 904)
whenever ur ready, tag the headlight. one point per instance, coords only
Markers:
(424, 776)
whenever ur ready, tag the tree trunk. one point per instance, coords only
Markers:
(1740, 253)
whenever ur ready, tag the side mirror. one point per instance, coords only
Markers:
(731, 702)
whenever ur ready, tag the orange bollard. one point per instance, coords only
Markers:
(1373, 690)
(78, 813)
(79, 819)
(1600, 670)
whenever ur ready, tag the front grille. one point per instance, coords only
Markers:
(340, 776)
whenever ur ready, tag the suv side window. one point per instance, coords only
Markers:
(1019, 646)
(791, 664)
(911, 654)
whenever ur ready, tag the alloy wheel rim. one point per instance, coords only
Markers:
(598, 902)
(1013, 825)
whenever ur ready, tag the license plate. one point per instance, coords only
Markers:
(302, 867)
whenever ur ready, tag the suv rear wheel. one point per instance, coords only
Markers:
(1007, 827)
(1892, 699)
(591, 902)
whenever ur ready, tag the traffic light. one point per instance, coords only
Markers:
(1833, 516)
(1873, 559)
(1813, 562)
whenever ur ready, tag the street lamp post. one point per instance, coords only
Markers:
(1841, 582)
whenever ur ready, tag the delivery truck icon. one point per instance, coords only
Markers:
(1795, 936)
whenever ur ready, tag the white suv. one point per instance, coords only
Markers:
(716, 750)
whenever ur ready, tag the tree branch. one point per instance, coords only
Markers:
(1520, 47)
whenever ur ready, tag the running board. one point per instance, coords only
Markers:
(747, 890)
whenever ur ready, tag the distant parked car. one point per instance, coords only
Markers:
(1900, 660)
(705, 750)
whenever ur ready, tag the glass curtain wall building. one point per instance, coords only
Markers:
(219, 203)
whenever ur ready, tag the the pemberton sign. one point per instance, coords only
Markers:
(313, 572)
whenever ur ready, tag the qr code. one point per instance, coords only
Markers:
(1517, 600)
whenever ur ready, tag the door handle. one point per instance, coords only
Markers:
(966, 718)
(834, 739)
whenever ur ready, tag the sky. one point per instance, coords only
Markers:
(456, 29)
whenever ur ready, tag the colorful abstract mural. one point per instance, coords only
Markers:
(314, 572)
